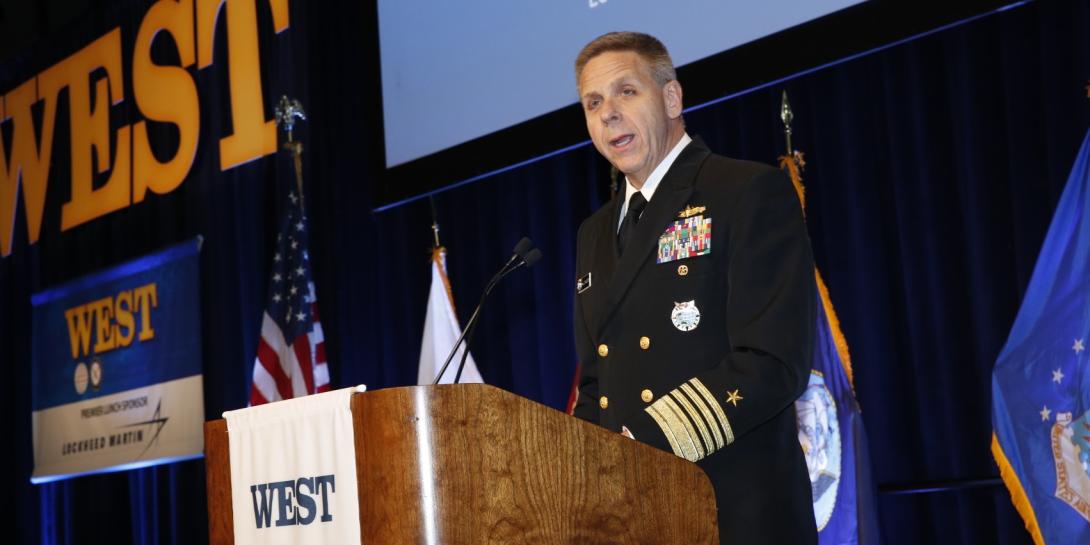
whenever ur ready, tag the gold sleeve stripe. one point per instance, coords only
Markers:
(681, 438)
(728, 434)
(697, 421)
(690, 445)
(706, 413)
(666, 430)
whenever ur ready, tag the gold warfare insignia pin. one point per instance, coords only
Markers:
(691, 211)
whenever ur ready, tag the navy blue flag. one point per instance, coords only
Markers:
(832, 438)
(831, 425)
(1040, 387)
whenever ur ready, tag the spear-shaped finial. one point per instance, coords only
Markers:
(434, 221)
(786, 116)
(287, 111)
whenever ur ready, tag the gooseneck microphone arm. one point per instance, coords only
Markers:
(519, 258)
(528, 261)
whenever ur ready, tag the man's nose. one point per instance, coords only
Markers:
(609, 114)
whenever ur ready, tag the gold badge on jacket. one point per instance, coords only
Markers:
(691, 211)
(688, 237)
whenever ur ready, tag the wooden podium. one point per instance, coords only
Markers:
(473, 464)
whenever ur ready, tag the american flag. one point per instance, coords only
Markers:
(291, 353)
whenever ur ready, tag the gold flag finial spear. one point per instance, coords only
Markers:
(787, 116)
(792, 160)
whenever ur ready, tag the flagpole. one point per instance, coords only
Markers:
(792, 160)
(434, 221)
(786, 115)
(289, 111)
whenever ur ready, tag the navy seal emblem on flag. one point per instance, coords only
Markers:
(685, 316)
(819, 434)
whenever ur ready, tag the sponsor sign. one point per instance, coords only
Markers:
(116, 368)
(293, 471)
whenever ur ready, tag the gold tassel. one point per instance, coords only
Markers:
(834, 326)
(794, 164)
(1018, 494)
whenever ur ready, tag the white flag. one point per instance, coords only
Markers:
(441, 330)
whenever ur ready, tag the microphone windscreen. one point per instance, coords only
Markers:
(533, 257)
(523, 246)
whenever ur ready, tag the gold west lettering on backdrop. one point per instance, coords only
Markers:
(163, 93)
(111, 321)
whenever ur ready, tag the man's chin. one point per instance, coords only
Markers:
(625, 167)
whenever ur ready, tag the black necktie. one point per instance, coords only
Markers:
(636, 204)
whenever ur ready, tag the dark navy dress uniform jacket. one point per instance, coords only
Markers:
(722, 393)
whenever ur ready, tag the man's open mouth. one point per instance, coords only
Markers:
(621, 141)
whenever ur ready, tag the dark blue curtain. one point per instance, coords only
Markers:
(933, 170)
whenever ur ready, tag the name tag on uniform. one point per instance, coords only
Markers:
(583, 283)
(689, 237)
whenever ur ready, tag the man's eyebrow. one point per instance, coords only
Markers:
(612, 86)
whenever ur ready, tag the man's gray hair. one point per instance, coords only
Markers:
(645, 45)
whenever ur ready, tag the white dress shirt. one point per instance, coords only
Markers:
(653, 180)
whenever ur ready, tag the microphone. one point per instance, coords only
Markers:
(524, 254)
(528, 260)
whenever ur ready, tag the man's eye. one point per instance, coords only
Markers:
(628, 92)
(592, 104)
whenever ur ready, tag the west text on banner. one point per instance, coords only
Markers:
(290, 359)
(441, 330)
(116, 368)
(293, 471)
(1040, 384)
(831, 424)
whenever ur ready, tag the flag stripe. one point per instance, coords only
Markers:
(264, 386)
(269, 362)
(256, 398)
(302, 356)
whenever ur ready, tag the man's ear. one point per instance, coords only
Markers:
(671, 93)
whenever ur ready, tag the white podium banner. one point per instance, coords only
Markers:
(293, 471)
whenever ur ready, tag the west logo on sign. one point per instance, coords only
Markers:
(295, 502)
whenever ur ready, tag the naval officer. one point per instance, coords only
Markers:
(695, 302)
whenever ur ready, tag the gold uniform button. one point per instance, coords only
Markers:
(647, 396)
(645, 343)
(603, 402)
(682, 270)
(603, 351)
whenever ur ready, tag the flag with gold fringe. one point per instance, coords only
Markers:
(1040, 384)
(830, 423)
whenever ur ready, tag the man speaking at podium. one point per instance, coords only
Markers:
(695, 298)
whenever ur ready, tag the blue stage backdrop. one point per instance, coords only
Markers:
(936, 166)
